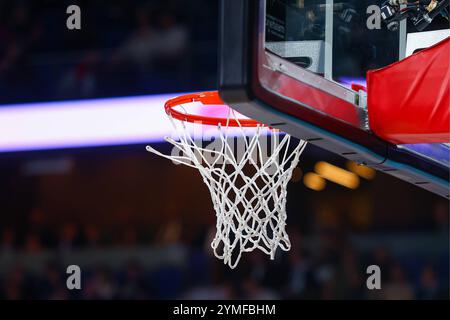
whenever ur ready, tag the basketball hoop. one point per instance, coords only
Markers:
(249, 190)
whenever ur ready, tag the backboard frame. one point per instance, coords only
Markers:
(241, 57)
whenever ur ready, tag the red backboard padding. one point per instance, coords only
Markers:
(408, 101)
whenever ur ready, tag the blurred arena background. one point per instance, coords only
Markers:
(139, 226)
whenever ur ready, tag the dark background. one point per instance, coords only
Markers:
(123, 48)
(139, 226)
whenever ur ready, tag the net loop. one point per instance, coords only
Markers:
(248, 188)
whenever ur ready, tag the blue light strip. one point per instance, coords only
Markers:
(92, 123)
(83, 123)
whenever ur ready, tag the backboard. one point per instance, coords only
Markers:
(301, 66)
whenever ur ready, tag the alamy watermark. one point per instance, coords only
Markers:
(373, 281)
(373, 21)
(73, 281)
(73, 22)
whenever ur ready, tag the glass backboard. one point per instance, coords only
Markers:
(301, 66)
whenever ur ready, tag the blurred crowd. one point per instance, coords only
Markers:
(329, 266)
(144, 47)
(133, 47)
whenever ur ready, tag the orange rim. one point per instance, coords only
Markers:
(207, 99)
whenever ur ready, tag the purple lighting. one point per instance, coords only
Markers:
(92, 123)
(83, 123)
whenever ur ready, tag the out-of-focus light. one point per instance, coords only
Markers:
(337, 175)
(361, 170)
(314, 181)
(91, 123)
(83, 123)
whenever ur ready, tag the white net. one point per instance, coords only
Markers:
(248, 187)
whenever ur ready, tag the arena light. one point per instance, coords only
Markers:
(86, 123)
(82, 123)
(314, 181)
(337, 175)
(361, 170)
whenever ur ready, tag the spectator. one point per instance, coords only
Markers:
(92, 235)
(8, 241)
(101, 285)
(82, 80)
(397, 287)
(33, 243)
(69, 237)
(299, 271)
(428, 287)
(252, 290)
(133, 283)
